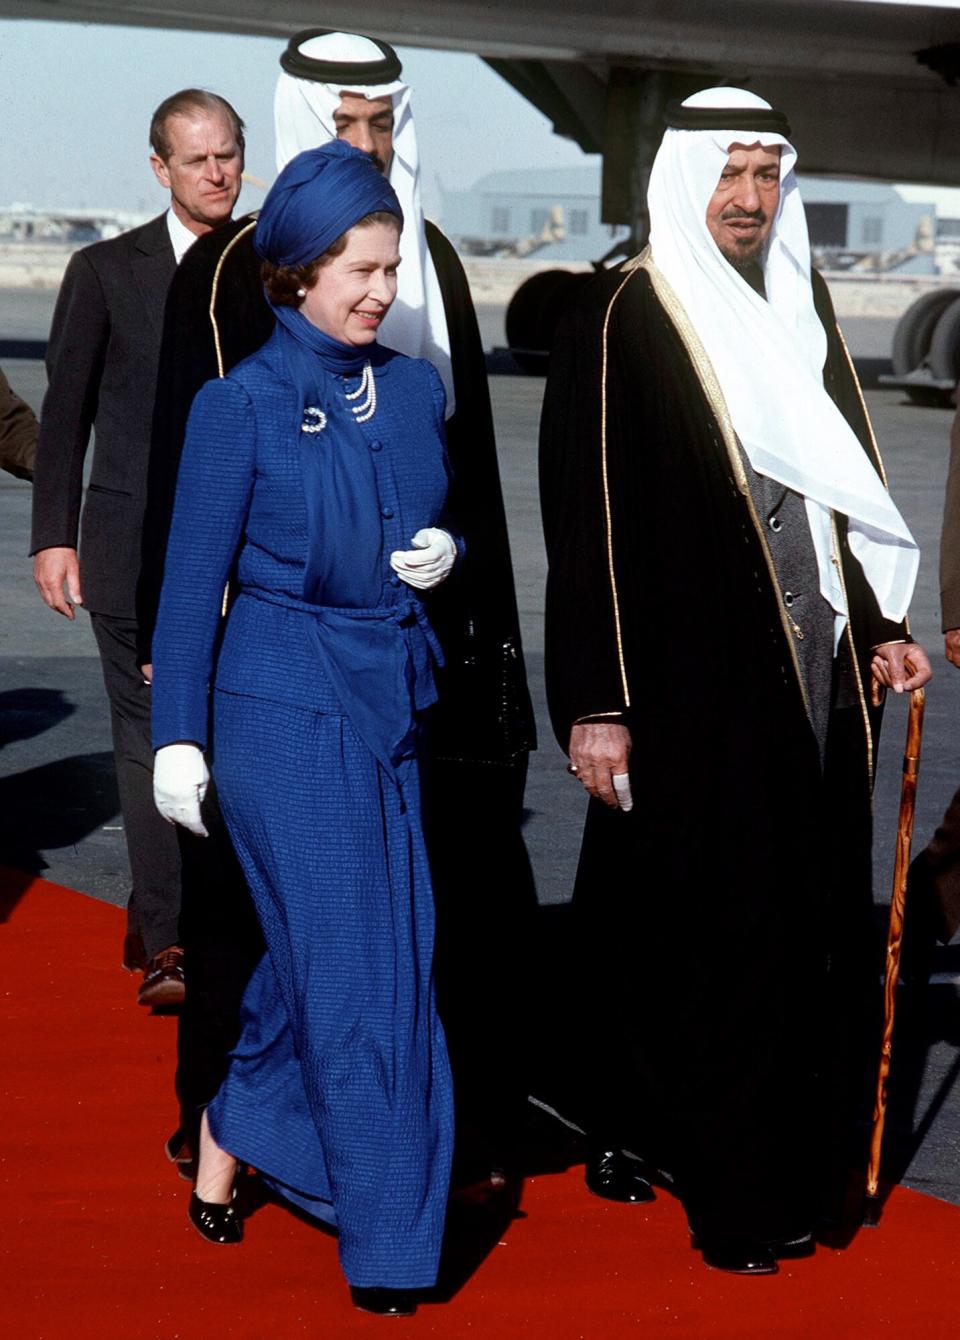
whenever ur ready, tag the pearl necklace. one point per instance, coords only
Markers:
(367, 408)
(314, 419)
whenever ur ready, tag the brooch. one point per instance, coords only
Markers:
(314, 420)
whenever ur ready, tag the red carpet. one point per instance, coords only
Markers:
(94, 1239)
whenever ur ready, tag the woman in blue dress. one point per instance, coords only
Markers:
(313, 479)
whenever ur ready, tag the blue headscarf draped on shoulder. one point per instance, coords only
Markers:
(377, 661)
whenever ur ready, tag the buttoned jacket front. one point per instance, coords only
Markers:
(241, 511)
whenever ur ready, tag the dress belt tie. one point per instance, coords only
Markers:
(380, 662)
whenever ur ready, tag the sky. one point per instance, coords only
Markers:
(76, 101)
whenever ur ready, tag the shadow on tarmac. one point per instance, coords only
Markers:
(926, 1017)
(25, 713)
(52, 806)
(55, 805)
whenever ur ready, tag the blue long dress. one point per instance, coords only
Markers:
(339, 1090)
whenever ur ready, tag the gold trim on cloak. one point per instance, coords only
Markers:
(608, 516)
(848, 634)
(874, 449)
(717, 404)
(212, 313)
(215, 288)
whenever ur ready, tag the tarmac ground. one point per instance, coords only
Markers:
(59, 815)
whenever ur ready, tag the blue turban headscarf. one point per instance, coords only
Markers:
(317, 197)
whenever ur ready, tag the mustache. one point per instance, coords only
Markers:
(735, 212)
(378, 163)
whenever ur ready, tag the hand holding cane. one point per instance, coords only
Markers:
(908, 794)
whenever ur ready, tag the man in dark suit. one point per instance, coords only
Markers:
(102, 363)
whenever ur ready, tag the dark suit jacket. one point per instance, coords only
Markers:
(102, 362)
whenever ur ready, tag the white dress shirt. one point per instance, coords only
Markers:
(181, 237)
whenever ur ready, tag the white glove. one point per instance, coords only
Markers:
(428, 562)
(180, 781)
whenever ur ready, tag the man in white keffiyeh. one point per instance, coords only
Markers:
(325, 91)
(729, 580)
(718, 207)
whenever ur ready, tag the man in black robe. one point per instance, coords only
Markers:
(718, 532)
(482, 728)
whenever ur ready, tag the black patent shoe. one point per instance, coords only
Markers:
(616, 1176)
(221, 1224)
(384, 1302)
(738, 1256)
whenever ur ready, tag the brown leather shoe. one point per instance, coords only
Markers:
(163, 980)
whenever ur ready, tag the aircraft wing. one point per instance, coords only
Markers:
(869, 85)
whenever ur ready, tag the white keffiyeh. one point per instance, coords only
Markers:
(768, 356)
(416, 324)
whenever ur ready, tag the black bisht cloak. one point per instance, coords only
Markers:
(482, 728)
(724, 924)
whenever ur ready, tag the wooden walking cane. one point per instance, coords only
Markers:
(901, 865)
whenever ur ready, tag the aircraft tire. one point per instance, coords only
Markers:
(533, 314)
(914, 333)
(930, 397)
(943, 358)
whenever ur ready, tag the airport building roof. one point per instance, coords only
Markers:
(542, 181)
